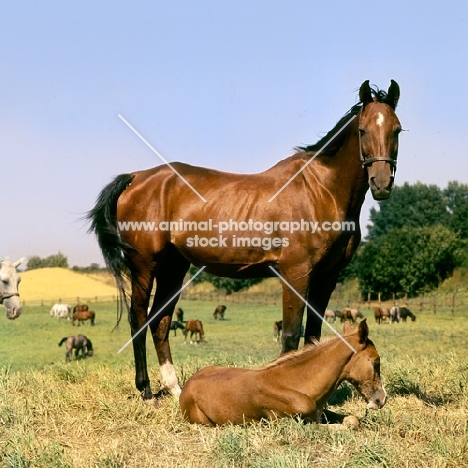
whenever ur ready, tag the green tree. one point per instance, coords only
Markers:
(407, 260)
(228, 284)
(58, 260)
(415, 205)
(456, 196)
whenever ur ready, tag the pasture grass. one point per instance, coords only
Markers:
(87, 413)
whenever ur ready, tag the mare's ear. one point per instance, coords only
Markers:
(346, 328)
(18, 262)
(365, 93)
(363, 331)
(393, 93)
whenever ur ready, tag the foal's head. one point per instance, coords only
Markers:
(379, 128)
(363, 370)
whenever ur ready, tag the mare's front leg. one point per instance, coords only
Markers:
(293, 311)
(319, 293)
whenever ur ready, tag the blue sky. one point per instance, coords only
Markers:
(232, 85)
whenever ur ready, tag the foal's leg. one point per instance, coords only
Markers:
(169, 281)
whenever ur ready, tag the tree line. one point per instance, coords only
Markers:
(415, 240)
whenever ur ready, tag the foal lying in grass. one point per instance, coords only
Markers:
(297, 384)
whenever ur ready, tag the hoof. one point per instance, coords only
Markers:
(351, 422)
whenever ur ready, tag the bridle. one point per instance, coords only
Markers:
(369, 161)
(7, 296)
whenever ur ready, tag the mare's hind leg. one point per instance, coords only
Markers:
(169, 279)
(141, 290)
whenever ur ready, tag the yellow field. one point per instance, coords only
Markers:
(61, 284)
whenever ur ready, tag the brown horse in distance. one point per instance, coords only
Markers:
(219, 311)
(194, 327)
(325, 182)
(298, 384)
(80, 308)
(81, 317)
(381, 314)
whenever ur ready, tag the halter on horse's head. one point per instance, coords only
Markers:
(9, 281)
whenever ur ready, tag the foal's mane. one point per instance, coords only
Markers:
(379, 95)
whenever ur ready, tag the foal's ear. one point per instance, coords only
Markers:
(365, 93)
(363, 331)
(346, 328)
(393, 93)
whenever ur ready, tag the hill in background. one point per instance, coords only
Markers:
(54, 284)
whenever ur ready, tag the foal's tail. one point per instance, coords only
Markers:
(103, 218)
(63, 341)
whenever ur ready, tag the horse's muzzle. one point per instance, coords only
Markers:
(13, 313)
(377, 400)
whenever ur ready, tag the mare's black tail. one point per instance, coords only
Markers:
(103, 218)
(63, 341)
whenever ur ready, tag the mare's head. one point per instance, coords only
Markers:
(379, 128)
(363, 369)
(9, 281)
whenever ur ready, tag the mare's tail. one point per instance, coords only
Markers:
(63, 341)
(103, 218)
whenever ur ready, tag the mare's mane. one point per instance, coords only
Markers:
(379, 95)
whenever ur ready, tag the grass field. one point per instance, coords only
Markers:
(88, 413)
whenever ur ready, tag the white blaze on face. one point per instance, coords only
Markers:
(380, 119)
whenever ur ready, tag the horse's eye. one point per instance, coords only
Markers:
(362, 132)
(5, 282)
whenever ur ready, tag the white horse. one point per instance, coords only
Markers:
(9, 281)
(61, 311)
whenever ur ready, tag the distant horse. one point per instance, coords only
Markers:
(9, 295)
(404, 313)
(194, 327)
(219, 311)
(297, 384)
(330, 315)
(326, 181)
(77, 343)
(81, 317)
(351, 314)
(80, 308)
(394, 315)
(179, 313)
(62, 311)
(175, 325)
(381, 314)
(277, 329)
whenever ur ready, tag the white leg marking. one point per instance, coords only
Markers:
(169, 378)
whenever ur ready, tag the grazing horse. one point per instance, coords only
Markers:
(351, 314)
(175, 324)
(219, 311)
(82, 316)
(404, 313)
(381, 314)
(179, 313)
(298, 384)
(77, 343)
(9, 295)
(80, 308)
(326, 182)
(277, 329)
(194, 327)
(330, 315)
(62, 311)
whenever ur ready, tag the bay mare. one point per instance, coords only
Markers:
(9, 282)
(335, 174)
(298, 384)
